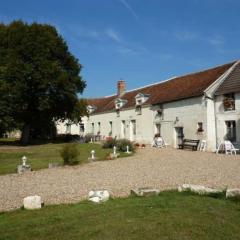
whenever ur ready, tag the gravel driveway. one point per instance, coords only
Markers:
(161, 168)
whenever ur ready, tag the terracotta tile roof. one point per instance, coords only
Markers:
(191, 85)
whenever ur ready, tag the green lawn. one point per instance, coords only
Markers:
(40, 155)
(171, 215)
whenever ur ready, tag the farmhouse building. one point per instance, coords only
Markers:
(203, 105)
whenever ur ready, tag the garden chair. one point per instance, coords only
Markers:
(158, 142)
(203, 145)
(229, 148)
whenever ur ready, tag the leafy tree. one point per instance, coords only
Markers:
(39, 79)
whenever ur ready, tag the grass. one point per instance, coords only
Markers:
(171, 215)
(39, 156)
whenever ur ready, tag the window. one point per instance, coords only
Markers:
(68, 128)
(123, 129)
(229, 102)
(91, 109)
(139, 101)
(99, 127)
(230, 131)
(81, 128)
(158, 128)
(134, 127)
(138, 109)
(118, 112)
(120, 103)
(141, 98)
(200, 127)
(111, 128)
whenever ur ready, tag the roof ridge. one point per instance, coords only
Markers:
(208, 69)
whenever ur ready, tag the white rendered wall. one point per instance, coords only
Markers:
(75, 128)
(189, 112)
(222, 116)
(144, 124)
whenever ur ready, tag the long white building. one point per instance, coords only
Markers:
(203, 105)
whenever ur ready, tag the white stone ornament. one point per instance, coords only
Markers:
(128, 152)
(114, 150)
(22, 168)
(24, 160)
(92, 154)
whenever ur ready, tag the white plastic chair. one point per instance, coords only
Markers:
(158, 142)
(229, 148)
(203, 145)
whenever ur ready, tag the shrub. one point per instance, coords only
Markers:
(70, 154)
(109, 142)
(67, 138)
(88, 137)
(122, 145)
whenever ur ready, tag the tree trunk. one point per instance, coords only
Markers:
(25, 134)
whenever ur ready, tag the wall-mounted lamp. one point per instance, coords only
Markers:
(176, 120)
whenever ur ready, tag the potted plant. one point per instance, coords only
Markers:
(137, 144)
(157, 135)
(229, 103)
(200, 130)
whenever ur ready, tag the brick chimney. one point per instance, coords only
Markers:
(121, 87)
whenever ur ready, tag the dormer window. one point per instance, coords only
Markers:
(91, 109)
(119, 103)
(141, 98)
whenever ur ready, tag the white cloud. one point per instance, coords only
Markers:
(216, 40)
(127, 50)
(113, 35)
(186, 35)
(127, 5)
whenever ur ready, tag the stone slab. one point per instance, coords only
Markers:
(233, 193)
(144, 192)
(32, 202)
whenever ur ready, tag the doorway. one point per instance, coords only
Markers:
(179, 136)
(132, 130)
(123, 129)
(158, 128)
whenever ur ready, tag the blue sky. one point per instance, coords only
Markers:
(140, 41)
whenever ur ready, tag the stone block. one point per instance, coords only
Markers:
(144, 192)
(32, 202)
(53, 165)
(233, 193)
(199, 189)
(98, 196)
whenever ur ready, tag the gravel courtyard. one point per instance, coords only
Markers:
(161, 168)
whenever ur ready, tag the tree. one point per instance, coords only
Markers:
(39, 79)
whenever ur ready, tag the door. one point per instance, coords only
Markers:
(132, 130)
(179, 136)
(158, 128)
(123, 129)
(167, 133)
